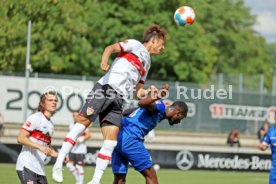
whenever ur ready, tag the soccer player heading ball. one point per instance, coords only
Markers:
(129, 70)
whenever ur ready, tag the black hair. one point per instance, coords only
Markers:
(182, 106)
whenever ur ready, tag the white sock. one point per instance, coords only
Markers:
(103, 159)
(80, 173)
(69, 142)
(73, 170)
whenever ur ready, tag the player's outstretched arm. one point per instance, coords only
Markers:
(23, 138)
(148, 101)
(155, 94)
(106, 54)
(262, 146)
(140, 92)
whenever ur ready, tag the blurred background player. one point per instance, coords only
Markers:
(128, 70)
(135, 126)
(262, 131)
(35, 136)
(3, 148)
(269, 139)
(76, 157)
(234, 138)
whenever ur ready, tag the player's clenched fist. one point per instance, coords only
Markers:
(164, 91)
(45, 150)
(104, 66)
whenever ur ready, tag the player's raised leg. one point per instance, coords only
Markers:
(67, 145)
(110, 141)
(88, 115)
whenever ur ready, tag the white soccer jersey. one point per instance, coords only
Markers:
(130, 67)
(41, 130)
(80, 148)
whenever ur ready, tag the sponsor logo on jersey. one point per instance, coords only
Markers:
(28, 124)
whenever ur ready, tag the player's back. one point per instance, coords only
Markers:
(142, 121)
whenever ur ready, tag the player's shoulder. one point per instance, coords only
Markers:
(271, 131)
(133, 41)
(160, 105)
(35, 116)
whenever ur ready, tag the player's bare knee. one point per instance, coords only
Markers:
(151, 180)
(110, 132)
(119, 179)
(83, 120)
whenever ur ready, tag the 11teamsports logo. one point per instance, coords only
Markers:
(239, 112)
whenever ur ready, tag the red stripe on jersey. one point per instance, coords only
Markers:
(70, 141)
(83, 134)
(122, 49)
(104, 156)
(41, 136)
(134, 61)
(27, 130)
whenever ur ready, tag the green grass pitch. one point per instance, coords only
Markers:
(165, 176)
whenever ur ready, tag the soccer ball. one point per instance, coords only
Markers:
(184, 15)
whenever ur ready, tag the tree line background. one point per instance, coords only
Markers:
(69, 36)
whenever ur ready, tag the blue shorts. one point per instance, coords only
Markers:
(131, 150)
(272, 176)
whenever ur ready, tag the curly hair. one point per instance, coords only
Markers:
(183, 107)
(154, 31)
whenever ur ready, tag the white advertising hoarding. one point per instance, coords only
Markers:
(71, 96)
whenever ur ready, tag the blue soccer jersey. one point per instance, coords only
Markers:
(130, 147)
(142, 121)
(270, 139)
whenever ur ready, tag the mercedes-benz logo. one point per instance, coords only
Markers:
(184, 160)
